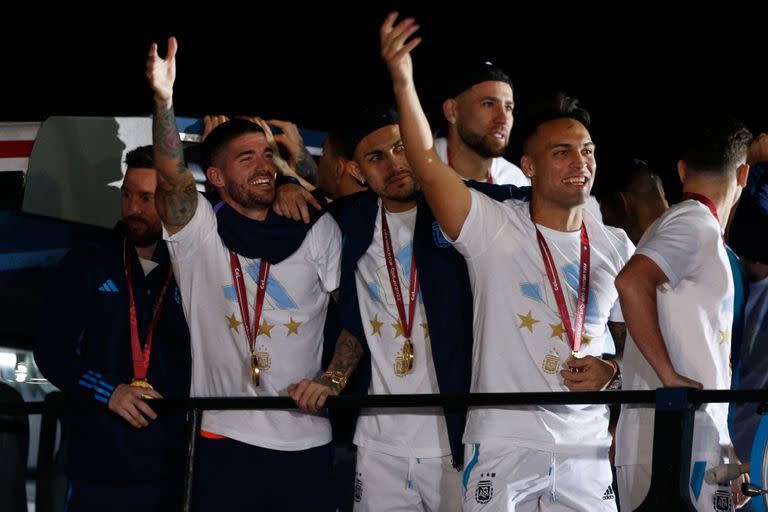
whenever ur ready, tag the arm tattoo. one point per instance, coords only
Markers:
(176, 196)
(166, 136)
(347, 354)
(619, 333)
(306, 166)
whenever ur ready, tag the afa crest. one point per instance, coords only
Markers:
(484, 490)
(722, 501)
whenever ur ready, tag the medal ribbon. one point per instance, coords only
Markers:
(242, 299)
(394, 279)
(574, 335)
(141, 356)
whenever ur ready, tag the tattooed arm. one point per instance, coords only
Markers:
(310, 395)
(176, 196)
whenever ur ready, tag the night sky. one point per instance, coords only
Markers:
(644, 72)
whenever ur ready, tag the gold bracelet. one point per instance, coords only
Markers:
(337, 378)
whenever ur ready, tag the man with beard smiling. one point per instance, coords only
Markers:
(256, 288)
(542, 278)
(119, 338)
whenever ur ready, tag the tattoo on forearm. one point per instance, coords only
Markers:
(347, 354)
(306, 166)
(166, 136)
(619, 333)
(177, 204)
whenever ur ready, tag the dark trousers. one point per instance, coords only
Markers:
(230, 475)
(90, 496)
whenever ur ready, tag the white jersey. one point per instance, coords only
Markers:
(695, 309)
(408, 432)
(520, 341)
(290, 333)
(502, 171)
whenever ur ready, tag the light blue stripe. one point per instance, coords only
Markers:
(697, 477)
(31, 259)
(90, 378)
(95, 374)
(106, 385)
(85, 384)
(103, 391)
(101, 399)
(471, 465)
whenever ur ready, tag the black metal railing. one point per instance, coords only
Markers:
(673, 427)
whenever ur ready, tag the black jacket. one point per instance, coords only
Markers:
(84, 348)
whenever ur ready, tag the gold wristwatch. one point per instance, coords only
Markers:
(337, 377)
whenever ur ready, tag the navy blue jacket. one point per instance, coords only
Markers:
(444, 285)
(84, 348)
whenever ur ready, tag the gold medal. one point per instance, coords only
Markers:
(400, 370)
(142, 383)
(404, 360)
(551, 362)
(255, 372)
(408, 355)
(575, 354)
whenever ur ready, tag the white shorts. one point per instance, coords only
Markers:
(514, 479)
(634, 480)
(386, 482)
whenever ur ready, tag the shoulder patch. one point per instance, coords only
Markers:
(438, 237)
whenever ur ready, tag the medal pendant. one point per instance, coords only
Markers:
(255, 372)
(142, 383)
(575, 354)
(408, 355)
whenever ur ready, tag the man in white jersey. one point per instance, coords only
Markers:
(478, 114)
(255, 289)
(526, 322)
(416, 333)
(677, 295)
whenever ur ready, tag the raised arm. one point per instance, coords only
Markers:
(636, 284)
(176, 196)
(447, 196)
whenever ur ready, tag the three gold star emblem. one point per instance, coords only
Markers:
(233, 322)
(527, 321)
(376, 325)
(293, 327)
(265, 328)
(557, 331)
(398, 329)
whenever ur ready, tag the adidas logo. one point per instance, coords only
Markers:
(108, 287)
(608, 495)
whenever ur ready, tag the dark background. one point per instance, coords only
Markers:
(645, 71)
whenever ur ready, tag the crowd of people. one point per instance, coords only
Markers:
(404, 263)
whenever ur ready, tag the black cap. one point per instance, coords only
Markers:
(464, 77)
(364, 122)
